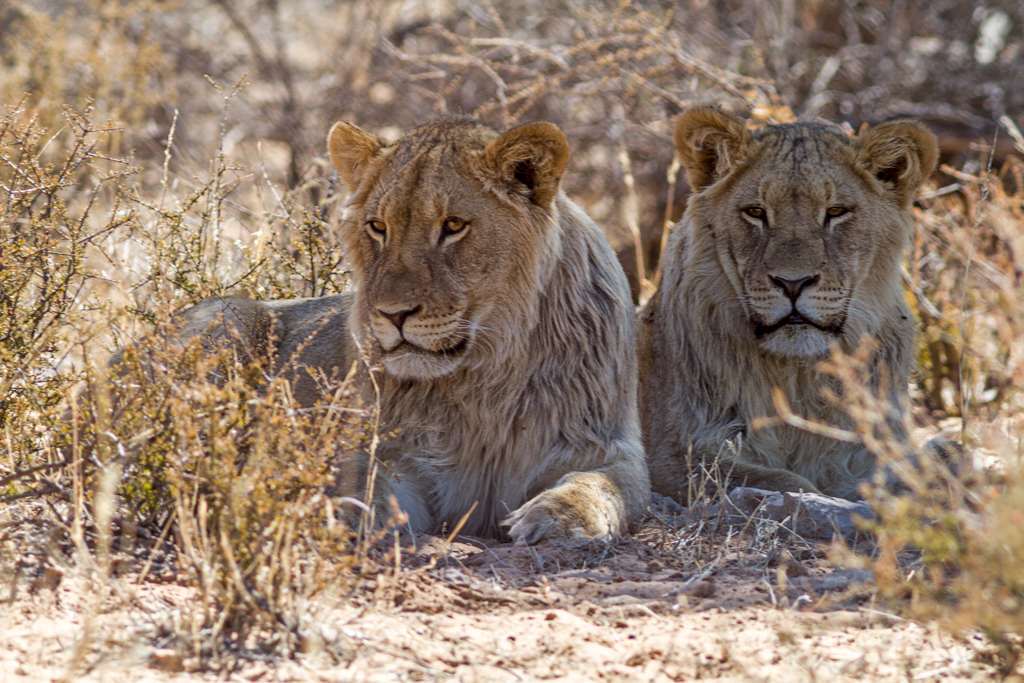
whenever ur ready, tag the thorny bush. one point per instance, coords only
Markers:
(180, 459)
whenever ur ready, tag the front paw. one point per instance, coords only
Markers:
(581, 510)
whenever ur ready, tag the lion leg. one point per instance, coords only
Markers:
(767, 478)
(597, 505)
(709, 475)
(357, 488)
(412, 501)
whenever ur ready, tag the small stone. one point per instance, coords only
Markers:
(810, 515)
(50, 579)
(699, 589)
(794, 568)
(167, 659)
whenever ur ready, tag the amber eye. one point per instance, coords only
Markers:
(453, 225)
(754, 211)
(836, 211)
(377, 228)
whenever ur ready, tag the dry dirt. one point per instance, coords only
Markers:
(657, 607)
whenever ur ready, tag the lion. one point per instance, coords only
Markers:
(790, 247)
(497, 322)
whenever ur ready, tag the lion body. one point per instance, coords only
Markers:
(789, 248)
(498, 325)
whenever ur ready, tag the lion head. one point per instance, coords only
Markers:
(444, 228)
(790, 247)
(807, 224)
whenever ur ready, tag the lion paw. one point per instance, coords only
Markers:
(562, 513)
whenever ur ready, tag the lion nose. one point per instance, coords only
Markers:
(793, 288)
(399, 317)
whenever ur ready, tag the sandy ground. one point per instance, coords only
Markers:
(645, 609)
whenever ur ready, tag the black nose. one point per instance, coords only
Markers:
(793, 288)
(399, 317)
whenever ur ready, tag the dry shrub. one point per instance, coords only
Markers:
(964, 272)
(218, 458)
(216, 454)
(949, 538)
(230, 231)
(102, 54)
(194, 462)
(59, 198)
(44, 239)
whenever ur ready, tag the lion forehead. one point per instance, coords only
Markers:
(449, 143)
(431, 181)
(802, 162)
(800, 143)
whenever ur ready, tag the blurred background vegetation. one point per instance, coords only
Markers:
(611, 73)
(155, 152)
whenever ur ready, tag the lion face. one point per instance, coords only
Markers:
(442, 229)
(806, 223)
(796, 246)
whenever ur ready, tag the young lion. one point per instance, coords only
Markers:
(501, 321)
(790, 245)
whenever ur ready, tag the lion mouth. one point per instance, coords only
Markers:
(448, 352)
(409, 361)
(795, 318)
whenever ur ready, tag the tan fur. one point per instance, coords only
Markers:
(710, 351)
(506, 343)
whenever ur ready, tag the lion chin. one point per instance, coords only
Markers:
(409, 362)
(800, 341)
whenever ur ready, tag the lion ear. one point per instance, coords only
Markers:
(709, 143)
(901, 154)
(352, 149)
(533, 155)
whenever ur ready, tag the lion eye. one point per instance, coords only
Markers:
(377, 228)
(453, 225)
(754, 211)
(836, 211)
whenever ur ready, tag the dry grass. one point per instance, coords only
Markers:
(183, 457)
